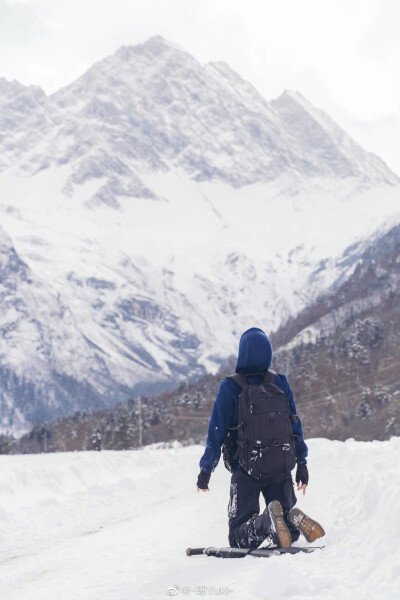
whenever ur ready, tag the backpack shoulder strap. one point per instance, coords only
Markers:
(269, 376)
(238, 378)
(241, 382)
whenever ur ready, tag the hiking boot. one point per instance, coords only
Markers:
(280, 530)
(311, 529)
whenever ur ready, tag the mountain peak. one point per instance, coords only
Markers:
(159, 42)
(293, 96)
(324, 139)
(154, 46)
(14, 88)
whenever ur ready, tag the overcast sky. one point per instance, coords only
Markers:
(343, 55)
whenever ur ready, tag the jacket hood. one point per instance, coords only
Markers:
(255, 352)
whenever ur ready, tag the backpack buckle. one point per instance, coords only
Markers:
(286, 447)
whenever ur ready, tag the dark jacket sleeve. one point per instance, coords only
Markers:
(224, 415)
(300, 445)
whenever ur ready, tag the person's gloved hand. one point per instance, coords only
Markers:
(202, 481)
(302, 477)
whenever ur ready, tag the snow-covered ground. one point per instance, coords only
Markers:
(115, 525)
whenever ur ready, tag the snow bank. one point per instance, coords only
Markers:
(116, 524)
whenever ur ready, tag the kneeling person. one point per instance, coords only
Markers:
(254, 418)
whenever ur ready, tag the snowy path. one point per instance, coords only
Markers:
(114, 525)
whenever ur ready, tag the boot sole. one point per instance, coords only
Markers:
(282, 532)
(311, 529)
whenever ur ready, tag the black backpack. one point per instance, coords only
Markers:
(263, 440)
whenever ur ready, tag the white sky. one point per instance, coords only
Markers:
(343, 55)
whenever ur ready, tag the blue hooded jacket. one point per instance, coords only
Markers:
(255, 356)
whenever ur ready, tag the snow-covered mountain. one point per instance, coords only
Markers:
(152, 210)
(153, 107)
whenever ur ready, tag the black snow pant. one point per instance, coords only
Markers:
(247, 528)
